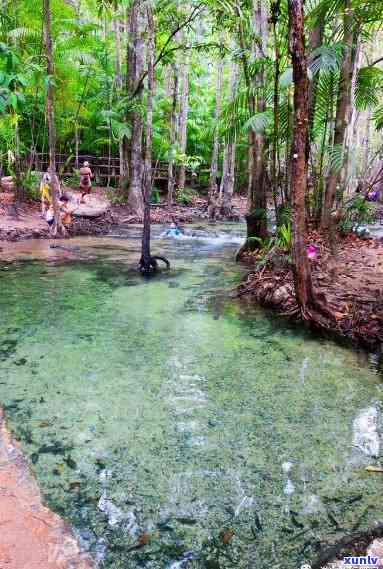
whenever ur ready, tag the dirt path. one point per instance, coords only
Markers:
(31, 536)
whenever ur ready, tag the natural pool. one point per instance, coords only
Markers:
(173, 427)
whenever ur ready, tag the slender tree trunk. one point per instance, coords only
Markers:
(58, 228)
(117, 40)
(302, 272)
(136, 49)
(77, 144)
(342, 109)
(228, 180)
(226, 189)
(118, 80)
(257, 216)
(213, 186)
(347, 173)
(315, 41)
(275, 148)
(184, 111)
(173, 134)
(146, 259)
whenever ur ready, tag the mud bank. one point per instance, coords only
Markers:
(81, 226)
(348, 287)
(32, 537)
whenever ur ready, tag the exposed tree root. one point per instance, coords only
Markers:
(152, 266)
(357, 542)
(347, 304)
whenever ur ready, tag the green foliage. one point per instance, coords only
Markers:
(74, 180)
(155, 196)
(30, 182)
(357, 211)
(186, 196)
(259, 122)
(284, 236)
(368, 86)
(116, 196)
(326, 58)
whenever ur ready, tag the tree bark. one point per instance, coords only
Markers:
(302, 272)
(148, 262)
(136, 47)
(57, 228)
(173, 133)
(213, 186)
(226, 189)
(315, 41)
(342, 109)
(118, 81)
(183, 118)
(348, 174)
(257, 216)
(275, 14)
(145, 262)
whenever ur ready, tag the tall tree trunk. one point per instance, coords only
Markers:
(136, 50)
(348, 174)
(173, 133)
(315, 41)
(275, 14)
(257, 216)
(118, 81)
(226, 189)
(146, 259)
(58, 228)
(183, 118)
(213, 186)
(302, 272)
(342, 109)
(117, 41)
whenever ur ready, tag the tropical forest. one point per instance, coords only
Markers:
(191, 276)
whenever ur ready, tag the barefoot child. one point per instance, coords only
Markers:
(45, 193)
(85, 180)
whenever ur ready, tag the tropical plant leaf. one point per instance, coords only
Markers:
(259, 122)
(326, 58)
(368, 85)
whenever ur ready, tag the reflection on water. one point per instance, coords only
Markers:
(173, 427)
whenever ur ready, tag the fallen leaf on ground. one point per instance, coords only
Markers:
(226, 535)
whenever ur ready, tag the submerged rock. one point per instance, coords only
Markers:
(117, 517)
(366, 431)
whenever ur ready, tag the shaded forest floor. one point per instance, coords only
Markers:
(26, 221)
(348, 286)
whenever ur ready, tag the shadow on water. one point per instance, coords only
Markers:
(176, 428)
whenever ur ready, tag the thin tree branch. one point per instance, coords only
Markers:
(376, 61)
(195, 12)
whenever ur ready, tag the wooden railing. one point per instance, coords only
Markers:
(106, 170)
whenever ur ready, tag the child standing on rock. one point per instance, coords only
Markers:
(85, 180)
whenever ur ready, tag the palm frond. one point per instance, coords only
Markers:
(368, 84)
(326, 58)
(259, 122)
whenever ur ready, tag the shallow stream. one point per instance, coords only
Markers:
(174, 427)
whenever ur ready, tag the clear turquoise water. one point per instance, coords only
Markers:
(162, 408)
